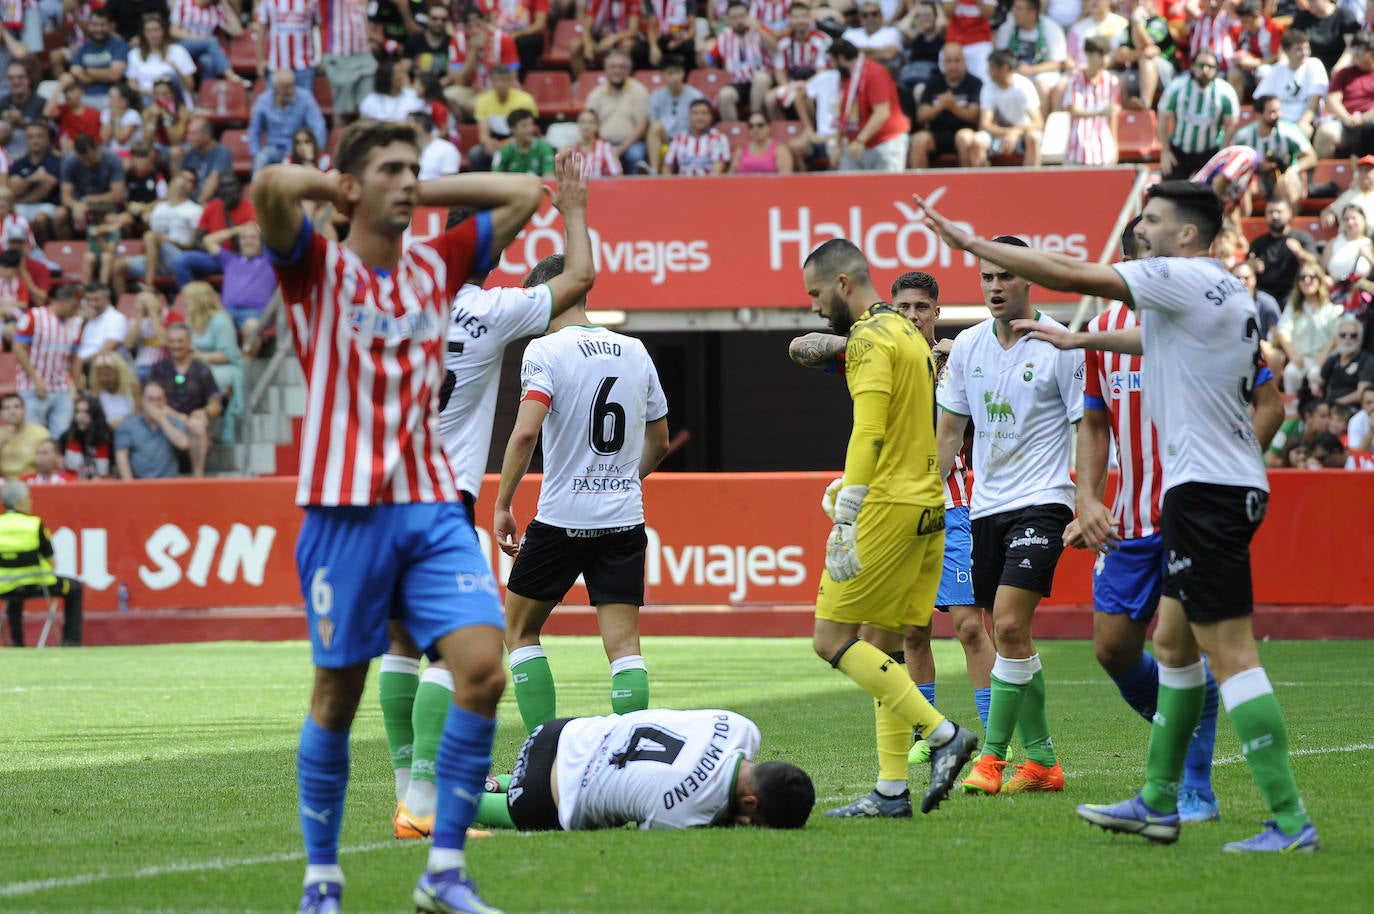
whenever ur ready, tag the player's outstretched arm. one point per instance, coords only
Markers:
(278, 192)
(1053, 271)
(519, 450)
(816, 350)
(570, 197)
(1268, 416)
(949, 438)
(655, 446)
(511, 198)
(1126, 341)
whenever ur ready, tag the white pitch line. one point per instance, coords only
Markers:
(1355, 747)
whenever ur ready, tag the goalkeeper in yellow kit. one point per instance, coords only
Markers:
(884, 554)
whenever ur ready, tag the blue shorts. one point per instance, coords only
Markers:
(956, 580)
(361, 566)
(1127, 580)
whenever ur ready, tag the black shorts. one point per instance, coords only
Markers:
(610, 560)
(1019, 548)
(944, 142)
(1357, 141)
(1187, 164)
(1206, 531)
(530, 795)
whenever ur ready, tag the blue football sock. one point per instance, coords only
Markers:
(322, 779)
(1197, 767)
(982, 699)
(460, 772)
(927, 690)
(1140, 686)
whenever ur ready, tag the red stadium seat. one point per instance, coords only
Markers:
(324, 94)
(1312, 225)
(787, 131)
(588, 81)
(1253, 226)
(1136, 136)
(1328, 171)
(709, 81)
(737, 132)
(226, 101)
(242, 56)
(652, 79)
(236, 141)
(67, 255)
(553, 93)
(129, 247)
(559, 51)
(128, 305)
(9, 368)
(468, 137)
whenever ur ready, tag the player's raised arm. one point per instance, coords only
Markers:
(278, 192)
(511, 198)
(571, 286)
(1053, 271)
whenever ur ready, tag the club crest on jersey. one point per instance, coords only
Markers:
(1029, 374)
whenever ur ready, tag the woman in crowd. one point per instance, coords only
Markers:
(165, 121)
(1349, 258)
(761, 154)
(1307, 328)
(392, 98)
(216, 343)
(154, 57)
(602, 162)
(121, 124)
(305, 151)
(116, 388)
(87, 444)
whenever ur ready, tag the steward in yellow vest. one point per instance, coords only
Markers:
(26, 567)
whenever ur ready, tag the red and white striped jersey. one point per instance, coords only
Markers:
(741, 56)
(200, 21)
(14, 220)
(671, 16)
(1263, 44)
(959, 483)
(500, 49)
(967, 24)
(1090, 138)
(694, 155)
(1113, 385)
(771, 14)
(289, 25)
(602, 162)
(372, 344)
(343, 28)
(1212, 33)
(805, 54)
(51, 343)
(16, 291)
(610, 17)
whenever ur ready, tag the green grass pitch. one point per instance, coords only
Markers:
(162, 779)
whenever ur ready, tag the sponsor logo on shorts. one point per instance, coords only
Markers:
(1178, 563)
(1256, 505)
(1029, 538)
(1025, 563)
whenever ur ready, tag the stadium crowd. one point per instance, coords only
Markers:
(130, 129)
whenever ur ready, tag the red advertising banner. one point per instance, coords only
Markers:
(714, 539)
(739, 241)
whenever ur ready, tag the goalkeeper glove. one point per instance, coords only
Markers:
(842, 547)
(828, 499)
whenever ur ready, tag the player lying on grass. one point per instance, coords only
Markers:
(657, 768)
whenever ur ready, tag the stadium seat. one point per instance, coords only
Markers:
(737, 132)
(1247, 116)
(1136, 136)
(1328, 171)
(226, 102)
(1253, 226)
(588, 81)
(468, 137)
(553, 93)
(242, 56)
(559, 52)
(67, 255)
(1312, 225)
(236, 141)
(709, 81)
(129, 247)
(787, 131)
(324, 94)
(128, 305)
(8, 369)
(652, 79)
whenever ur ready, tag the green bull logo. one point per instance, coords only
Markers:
(998, 406)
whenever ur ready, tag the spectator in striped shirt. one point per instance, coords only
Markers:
(1286, 158)
(346, 54)
(193, 26)
(744, 50)
(800, 54)
(702, 150)
(600, 158)
(672, 32)
(1093, 101)
(1196, 112)
(1211, 31)
(1350, 99)
(45, 350)
(1257, 40)
(607, 25)
(473, 54)
(285, 39)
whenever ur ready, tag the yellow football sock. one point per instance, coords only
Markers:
(888, 681)
(894, 739)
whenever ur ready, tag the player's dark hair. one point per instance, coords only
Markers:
(1292, 38)
(785, 794)
(1130, 245)
(1194, 204)
(361, 137)
(544, 270)
(922, 282)
(1096, 45)
(837, 256)
(518, 116)
(1261, 101)
(843, 50)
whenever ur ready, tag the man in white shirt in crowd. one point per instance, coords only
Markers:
(437, 155)
(171, 230)
(1010, 119)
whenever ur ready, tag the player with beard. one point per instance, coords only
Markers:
(883, 556)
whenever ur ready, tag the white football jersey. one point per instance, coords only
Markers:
(661, 769)
(483, 322)
(601, 388)
(1022, 401)
(1200, 332)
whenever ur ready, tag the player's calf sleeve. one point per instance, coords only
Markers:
(396, 685)
(492, 811)
(1010, 677)
(1181, 692)
(887, 681)
(1139, 686)
(461, 766)
(1197, 765)
(1032, 723)
(894, 739)
(1254, 712)
(535, 695)
(321, 782)
(432, 701)
(629, 684)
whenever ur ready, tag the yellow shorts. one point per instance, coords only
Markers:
(901, 549)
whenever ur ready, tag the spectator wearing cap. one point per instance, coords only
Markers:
(207, 157)
(277, 115)
(1360, 193)
(18, 107)
(100, 61)
(622, 104)
(526, 152)
(669, 106)
(1350, 102)
(875, 129)
(438, 156)
(90, 175)
(218, 223)
(492, 111)
(105, 327)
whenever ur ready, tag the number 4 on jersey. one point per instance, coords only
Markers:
(649, 744)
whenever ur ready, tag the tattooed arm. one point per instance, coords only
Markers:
(817, 350)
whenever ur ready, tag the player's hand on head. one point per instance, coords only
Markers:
(946, 228)
(340, 198)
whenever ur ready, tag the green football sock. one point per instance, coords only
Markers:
(1032, 722)
(1254, 712)
(1177, 710)
(396, 685)
(1010, 679)
(432, 701)
(629, 684)
(492, 811)
(535, 694)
